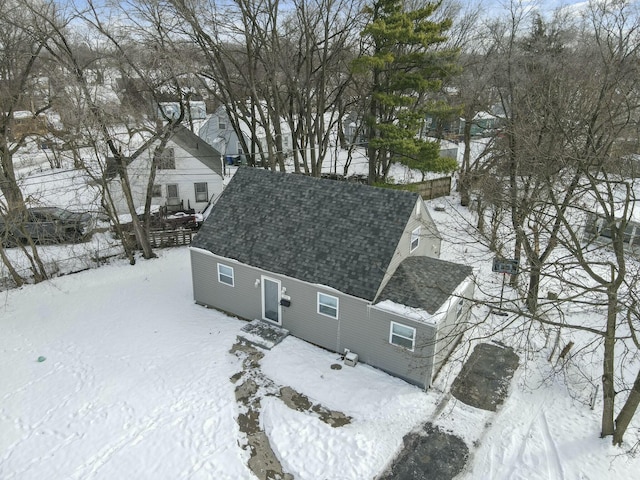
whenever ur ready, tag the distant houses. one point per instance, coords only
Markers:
(219, 132)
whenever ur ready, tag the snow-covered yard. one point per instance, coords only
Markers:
(136, 384)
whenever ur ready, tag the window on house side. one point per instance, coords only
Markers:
(156, 191)
(202, 193)
(225, 274)
(222, 124)
(402, 336)
(328, 305)
(167, 160)
(415, 239)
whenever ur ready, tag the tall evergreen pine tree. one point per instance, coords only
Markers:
(404, 68)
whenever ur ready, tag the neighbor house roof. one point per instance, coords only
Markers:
(424, 282)
(198, 148)
(334, 233)
(185, 139)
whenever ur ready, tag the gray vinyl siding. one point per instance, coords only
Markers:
(450, 329)
(245, 299)
(429, 245)
(371, 342)
(237, 300)
(359, 327)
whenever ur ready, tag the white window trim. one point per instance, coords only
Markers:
(415, 236)
(337, 307)
(391, 335)
(460, 308)
(220, 275)
(205, 191)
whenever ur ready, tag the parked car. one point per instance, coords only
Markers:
(47, 225)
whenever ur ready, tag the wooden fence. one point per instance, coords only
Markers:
(170, 238)
(430, 189)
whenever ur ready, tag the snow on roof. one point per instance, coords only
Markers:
(416, 314)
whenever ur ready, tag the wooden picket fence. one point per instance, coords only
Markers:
(430, 189)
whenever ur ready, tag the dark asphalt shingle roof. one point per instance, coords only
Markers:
(424, 282)
(327, 232)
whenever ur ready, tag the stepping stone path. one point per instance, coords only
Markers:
(251, 386)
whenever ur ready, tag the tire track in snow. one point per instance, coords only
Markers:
(541, 455)
(550, 446)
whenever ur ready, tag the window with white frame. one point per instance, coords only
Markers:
(402, 335)
(328, 305)
(415, 239)
(202, 192)
(222, 123)
(156, 191)
(225, 274)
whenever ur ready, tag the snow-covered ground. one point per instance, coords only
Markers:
(134, 382)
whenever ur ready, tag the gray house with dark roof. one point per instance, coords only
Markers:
(340, 265)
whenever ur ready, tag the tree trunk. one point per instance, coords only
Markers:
(480, 211)
(141, 236)
(19, 281)
(608, 387)
(465, 180)
(534, 287)
(628, 411)
(463, 186)
(517, 255)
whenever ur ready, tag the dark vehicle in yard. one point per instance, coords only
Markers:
(46, 225)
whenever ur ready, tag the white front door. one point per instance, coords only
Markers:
(271, 300)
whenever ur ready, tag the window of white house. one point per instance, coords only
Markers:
(202, 192)
(459, 308)
(328, 305)
(167, 160)
(225, 274)
(222, 124)
(240, 151)
(415, 239)
(402, 336)
(156, 191)
(172, 190)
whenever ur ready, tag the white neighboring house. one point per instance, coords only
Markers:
(189, 176)
(219, 132)
(195, 110)
(623, 205)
